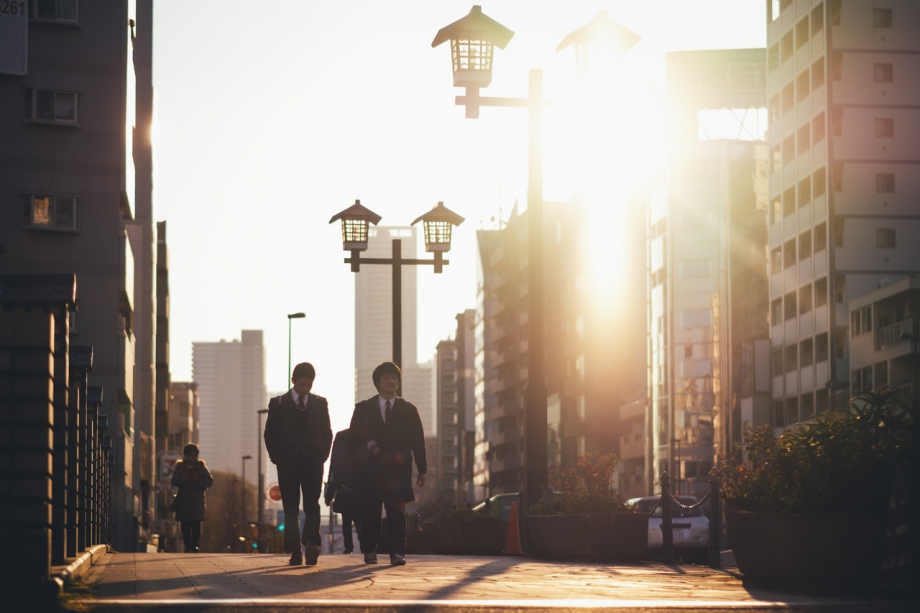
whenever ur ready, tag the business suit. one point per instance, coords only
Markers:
(298, 443)
(388, 476)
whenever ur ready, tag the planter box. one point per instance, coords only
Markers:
(418, 541)
(806, 546)
(621, 536)
(473, 537)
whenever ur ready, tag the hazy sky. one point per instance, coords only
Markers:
(273, 116)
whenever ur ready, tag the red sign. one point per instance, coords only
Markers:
(273, 492)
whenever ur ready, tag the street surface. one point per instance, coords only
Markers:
(342, 583)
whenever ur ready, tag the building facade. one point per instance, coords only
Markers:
(844, 150)
(231, 389)
(74, 182)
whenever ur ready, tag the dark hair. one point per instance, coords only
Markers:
(304, 370)
(191, 449)
(387, 368)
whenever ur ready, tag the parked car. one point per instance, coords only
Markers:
(690, 527)
(500, 505)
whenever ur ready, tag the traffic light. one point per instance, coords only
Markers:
(280, 527)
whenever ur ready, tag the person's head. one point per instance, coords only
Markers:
(191, 452)
(302, 378)
(386, 378)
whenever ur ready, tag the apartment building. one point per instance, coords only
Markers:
(844, 149)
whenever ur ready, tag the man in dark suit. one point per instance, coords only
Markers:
(392, 433)
(298, 438)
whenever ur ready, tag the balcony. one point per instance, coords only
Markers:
(890, 336)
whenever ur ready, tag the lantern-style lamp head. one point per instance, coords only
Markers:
(354, 226)
(437, 224)
(471, 41)
(599, 42)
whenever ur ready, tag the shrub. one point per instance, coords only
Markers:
(586, 488)
(464, 514)
(841, 463)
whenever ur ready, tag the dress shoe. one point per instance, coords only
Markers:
(397, 559)
(370, 558)
(349, 551)
(195, 550)
(311, 554)
(296, 559)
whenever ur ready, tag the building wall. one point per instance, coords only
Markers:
(231, 389)
(843, 137)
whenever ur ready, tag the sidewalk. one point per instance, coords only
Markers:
(205, 582)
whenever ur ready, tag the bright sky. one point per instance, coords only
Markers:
(273, 116)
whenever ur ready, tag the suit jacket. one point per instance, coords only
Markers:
(401, 440)
(192, 483)
(286, 441)
(346, 468)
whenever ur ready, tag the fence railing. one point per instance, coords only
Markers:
(714, 548)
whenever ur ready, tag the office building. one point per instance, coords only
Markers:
(231, 389)
(844, 151)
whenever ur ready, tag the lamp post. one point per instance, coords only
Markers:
(243, 488)
(290, 317)
(437, 224)
(472, 40)
(906, 336)
(677, 469)
(261, 491)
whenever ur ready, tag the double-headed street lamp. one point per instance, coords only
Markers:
(437, 224)
(472, 41)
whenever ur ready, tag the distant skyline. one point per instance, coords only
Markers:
(272, 117)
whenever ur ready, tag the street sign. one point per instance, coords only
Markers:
(273, 492)
(166, 464)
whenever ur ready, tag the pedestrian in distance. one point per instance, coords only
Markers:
(391, 431)
(342, 486)
(192, 477)
(298, 438)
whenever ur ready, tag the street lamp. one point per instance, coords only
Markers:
(243, 520)
(679, 470)
(437, 224)
(290, 317)
(472, 41)
(261, 491)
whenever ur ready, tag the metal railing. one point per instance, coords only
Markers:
(715, 520)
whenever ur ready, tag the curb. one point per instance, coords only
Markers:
(65, 576)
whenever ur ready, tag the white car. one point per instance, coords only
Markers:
(690, 527)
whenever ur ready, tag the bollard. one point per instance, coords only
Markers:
(715, 524)
(667, 528)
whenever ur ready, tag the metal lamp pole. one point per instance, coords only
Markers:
(261, 491)
(243, 488)
(290, 317)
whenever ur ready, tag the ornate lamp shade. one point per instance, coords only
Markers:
(472, 40)
(599, 43)
(355, 221)
(437, 224)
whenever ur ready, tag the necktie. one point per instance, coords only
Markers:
(300, 404)
(386, 412)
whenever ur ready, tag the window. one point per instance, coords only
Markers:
(840, 289)
(821, 292)
(836, 66)
(788, 98)
(839, 228)
(884, 183)
(773, 57)
(779, 417)
(817, 73)
(885, 238)
(801, 33)
(821, 349)
(792, 410)
(817, 129)
(695, 318)
(787, 48)
(804, 139)
(789, 306)
(789, 254)
(777, 362)
(792, 362)
(66, 11)
(804, 299)
(777, 210)
(817, 19)
(692, 269)
(776, 311)
(881, 18)
(789, 201)
(884, 127)
(807, 352)
(43, 212)
(834, 7)
(805, 191)
(855, 323)
(774, 107)
(821, 401)
(802, 86)
(808, 406)
(49, 106)
(776, 260)
(884, 73)
(819, 183)
(804, 245)
(837, 177)
(820, 236)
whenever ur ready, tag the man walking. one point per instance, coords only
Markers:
(392, 433)
(298, 438)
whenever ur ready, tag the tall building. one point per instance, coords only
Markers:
(75, 114)
(374, 323)
(844, 133)
(231, 389)
(707, 285)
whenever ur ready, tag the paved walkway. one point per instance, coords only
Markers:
(343, 583)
